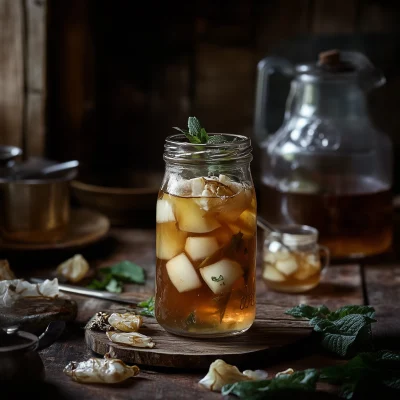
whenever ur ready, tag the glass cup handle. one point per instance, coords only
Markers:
(326, 256)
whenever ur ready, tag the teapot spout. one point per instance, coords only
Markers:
(369, 77)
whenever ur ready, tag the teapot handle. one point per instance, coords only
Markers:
(51, 334)
(265, 68)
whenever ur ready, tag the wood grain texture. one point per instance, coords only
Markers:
(33, 315)
(11, 72)
(272, 329)
(85, 227)
(35, 90)
(334, 16)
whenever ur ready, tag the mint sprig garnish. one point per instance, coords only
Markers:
(195, 133)
(344, 331)
(147, 307)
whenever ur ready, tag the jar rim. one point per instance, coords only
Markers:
(174, 139)
(178, 149)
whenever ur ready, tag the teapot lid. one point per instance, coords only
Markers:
(336, 65)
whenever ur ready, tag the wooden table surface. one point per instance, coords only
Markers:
(374, 281)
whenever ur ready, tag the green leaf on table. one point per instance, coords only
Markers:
(100, 284)
(309, 312)
(344, 335)
(344, 331)
(126, 271)
(365, 369)
(300, 380)
(147, 307)
(114, 286)
(341, 312)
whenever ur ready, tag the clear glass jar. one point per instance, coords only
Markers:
(206, 238)
(292, 259)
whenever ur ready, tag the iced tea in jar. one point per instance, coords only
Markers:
(206, 237)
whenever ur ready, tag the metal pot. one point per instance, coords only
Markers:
(20, 360)
(34, 199)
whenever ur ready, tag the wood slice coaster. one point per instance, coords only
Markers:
(34, 314)
(271, 330)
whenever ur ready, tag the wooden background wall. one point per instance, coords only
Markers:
(120, 74)
(22, 74)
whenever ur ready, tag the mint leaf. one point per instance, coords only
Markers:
(147, 307)
(344, 331)
(100, 284)
(352, 309)
(309, 312)
(217, 139)
(126, 271)
(114, 286)
(300, 380)
(196, 134)
(203, 136)
(341, 336)
(364, 373)
(194, 126)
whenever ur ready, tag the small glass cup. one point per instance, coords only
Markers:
(293, 261)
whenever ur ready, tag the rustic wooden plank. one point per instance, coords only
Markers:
(34, 135)
(271, 330)
(36, 46)
(11, 72)
(341, 285)
(334, 16)
(34, 314)
(382, 286)
(35, 127)
(71, 79)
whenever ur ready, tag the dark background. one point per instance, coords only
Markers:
(119, 74)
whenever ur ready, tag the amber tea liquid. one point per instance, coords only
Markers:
(205, 280)
(354, 222)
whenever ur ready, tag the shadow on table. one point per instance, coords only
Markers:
(333, 290)
(32, 390)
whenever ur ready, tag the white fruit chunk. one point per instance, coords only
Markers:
(197, 185)
(310, 266)
(182, 273)
(287, 266)
(200, 247)
(271, 274)
(246, 224)
(164, 212)
(170, 240)
(221, 275)
(191, 218)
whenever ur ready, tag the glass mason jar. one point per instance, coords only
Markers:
(292, 259)
(206, 238)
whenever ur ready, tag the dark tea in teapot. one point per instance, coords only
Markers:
(328, 166)
(356, 221)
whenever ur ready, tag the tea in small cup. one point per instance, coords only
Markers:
(293, 261)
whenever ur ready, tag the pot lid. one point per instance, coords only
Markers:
(335, 65)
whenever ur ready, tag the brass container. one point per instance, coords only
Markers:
(34, 211)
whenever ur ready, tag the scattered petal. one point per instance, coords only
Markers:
(98, 370)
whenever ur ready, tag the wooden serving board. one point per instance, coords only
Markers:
(271, 331)
(34, 314)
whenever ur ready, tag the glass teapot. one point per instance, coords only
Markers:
(327, 165)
